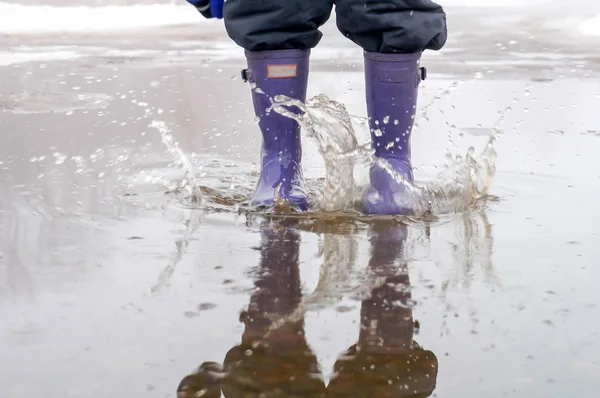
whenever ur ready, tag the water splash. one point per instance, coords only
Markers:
(329, 124)
(459, 184)
(463, 181)
(188, 183)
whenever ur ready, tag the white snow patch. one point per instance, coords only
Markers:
(10, 58)
(591, 26)
(16, 18)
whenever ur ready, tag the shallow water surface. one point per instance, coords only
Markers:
(131, 266)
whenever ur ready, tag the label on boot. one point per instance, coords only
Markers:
(282, 71)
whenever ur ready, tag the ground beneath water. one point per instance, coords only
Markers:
(116, 281)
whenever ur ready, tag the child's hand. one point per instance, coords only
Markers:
(209, 8)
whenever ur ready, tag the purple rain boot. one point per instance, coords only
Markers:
(281, 72)
(392, 82)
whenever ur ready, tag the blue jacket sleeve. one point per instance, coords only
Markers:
(216, 8)
(209, 8)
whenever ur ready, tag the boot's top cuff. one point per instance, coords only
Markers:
(275, 54)
(392, 57)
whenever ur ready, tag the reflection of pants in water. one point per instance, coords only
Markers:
(375, 25)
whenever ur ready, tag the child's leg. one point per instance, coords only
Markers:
(393, 34)
(260, 25)
(277, 36)
(393, 26)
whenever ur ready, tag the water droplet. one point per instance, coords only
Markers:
(59, 158)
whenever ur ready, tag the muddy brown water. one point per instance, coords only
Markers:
(111, 284)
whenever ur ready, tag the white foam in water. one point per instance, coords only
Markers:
(19, 19)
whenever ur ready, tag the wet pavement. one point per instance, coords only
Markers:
(112, 283)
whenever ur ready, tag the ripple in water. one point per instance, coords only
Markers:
(43, 102)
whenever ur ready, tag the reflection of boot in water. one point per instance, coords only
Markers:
(278, 362)
(386, 362)
(268, 363)
(205, 382)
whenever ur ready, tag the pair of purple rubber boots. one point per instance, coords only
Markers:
(392, 82)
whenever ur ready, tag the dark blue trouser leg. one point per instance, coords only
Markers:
(387, 26)
(264, 25)
(392, 26)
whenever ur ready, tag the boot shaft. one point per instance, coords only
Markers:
(391, 82)
(272, 73)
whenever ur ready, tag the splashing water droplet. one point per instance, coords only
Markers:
(59, 158)
(188, 183)
(457, 186)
